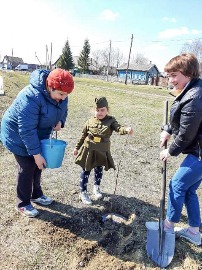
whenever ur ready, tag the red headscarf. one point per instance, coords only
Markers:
(60, 79)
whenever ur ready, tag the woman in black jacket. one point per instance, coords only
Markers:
(186, 127)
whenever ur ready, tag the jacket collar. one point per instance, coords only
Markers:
(187, 87)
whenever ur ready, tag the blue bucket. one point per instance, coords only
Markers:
(53, 151)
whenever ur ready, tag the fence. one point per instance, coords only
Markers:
(160, 81)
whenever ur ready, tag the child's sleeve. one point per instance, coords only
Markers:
(83, 136)
(118, 128)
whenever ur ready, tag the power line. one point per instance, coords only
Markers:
(146, 41)
(173, 40)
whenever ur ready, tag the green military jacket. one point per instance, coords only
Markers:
(94, 143)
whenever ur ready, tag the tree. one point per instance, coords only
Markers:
(194, 47)
(139, 59)
(102, 57)
(84, 60)
(66, 59)
(96, 55)
(117, 57)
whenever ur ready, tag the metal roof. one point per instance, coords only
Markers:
(138, 67)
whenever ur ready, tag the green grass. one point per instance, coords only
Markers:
(69, 235)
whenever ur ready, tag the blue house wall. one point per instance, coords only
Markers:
(138, 76)
(133, 75)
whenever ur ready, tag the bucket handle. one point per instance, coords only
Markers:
(51, 137)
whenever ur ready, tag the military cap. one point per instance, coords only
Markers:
(101, 102)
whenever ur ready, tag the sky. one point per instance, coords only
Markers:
(160, 28)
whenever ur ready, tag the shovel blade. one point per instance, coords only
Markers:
(164, 255)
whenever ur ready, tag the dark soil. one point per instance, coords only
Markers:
(110, 234)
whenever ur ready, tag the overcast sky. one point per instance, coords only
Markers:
(159, 27)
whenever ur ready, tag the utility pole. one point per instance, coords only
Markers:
(129, 59)
(12, 60)
(46, 56)
(38, 59)
(50, 57)
(109, 59)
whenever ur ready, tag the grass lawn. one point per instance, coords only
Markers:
(69, 235)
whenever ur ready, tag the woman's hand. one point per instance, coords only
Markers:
(129, 130)
(165, 136)
(40, 161)
(164, 155)
(75, 152)
(58, 126)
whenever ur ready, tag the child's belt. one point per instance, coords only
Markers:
(97, 139)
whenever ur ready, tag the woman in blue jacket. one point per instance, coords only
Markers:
(38, 109)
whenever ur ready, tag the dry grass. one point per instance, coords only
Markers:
(68, 235)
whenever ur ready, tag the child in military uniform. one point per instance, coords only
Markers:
(92, 150)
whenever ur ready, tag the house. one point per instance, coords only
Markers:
(55, 64)
(93, 65)
(110, 70)
(10, 62)
(139, 73)
(32, 67)
(163, 80)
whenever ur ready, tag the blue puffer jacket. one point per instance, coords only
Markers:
(31, 117)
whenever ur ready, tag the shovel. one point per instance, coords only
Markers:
(160, 244)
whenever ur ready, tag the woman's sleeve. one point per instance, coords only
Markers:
(190, 121)
(64, 116)
(28, 119)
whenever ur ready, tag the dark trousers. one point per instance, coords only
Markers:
(85, 175)
(28, 180)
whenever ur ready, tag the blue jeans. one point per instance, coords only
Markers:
(182, 190)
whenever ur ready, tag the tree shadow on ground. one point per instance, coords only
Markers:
(124, 237)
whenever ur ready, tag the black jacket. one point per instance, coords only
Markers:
(186, 121)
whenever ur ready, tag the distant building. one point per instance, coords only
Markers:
(11, 62)
(163, 80)
(32, 67)
(139, 74)
(93, 65)
(108, 70)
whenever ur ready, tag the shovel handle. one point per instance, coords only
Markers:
(163, 186)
